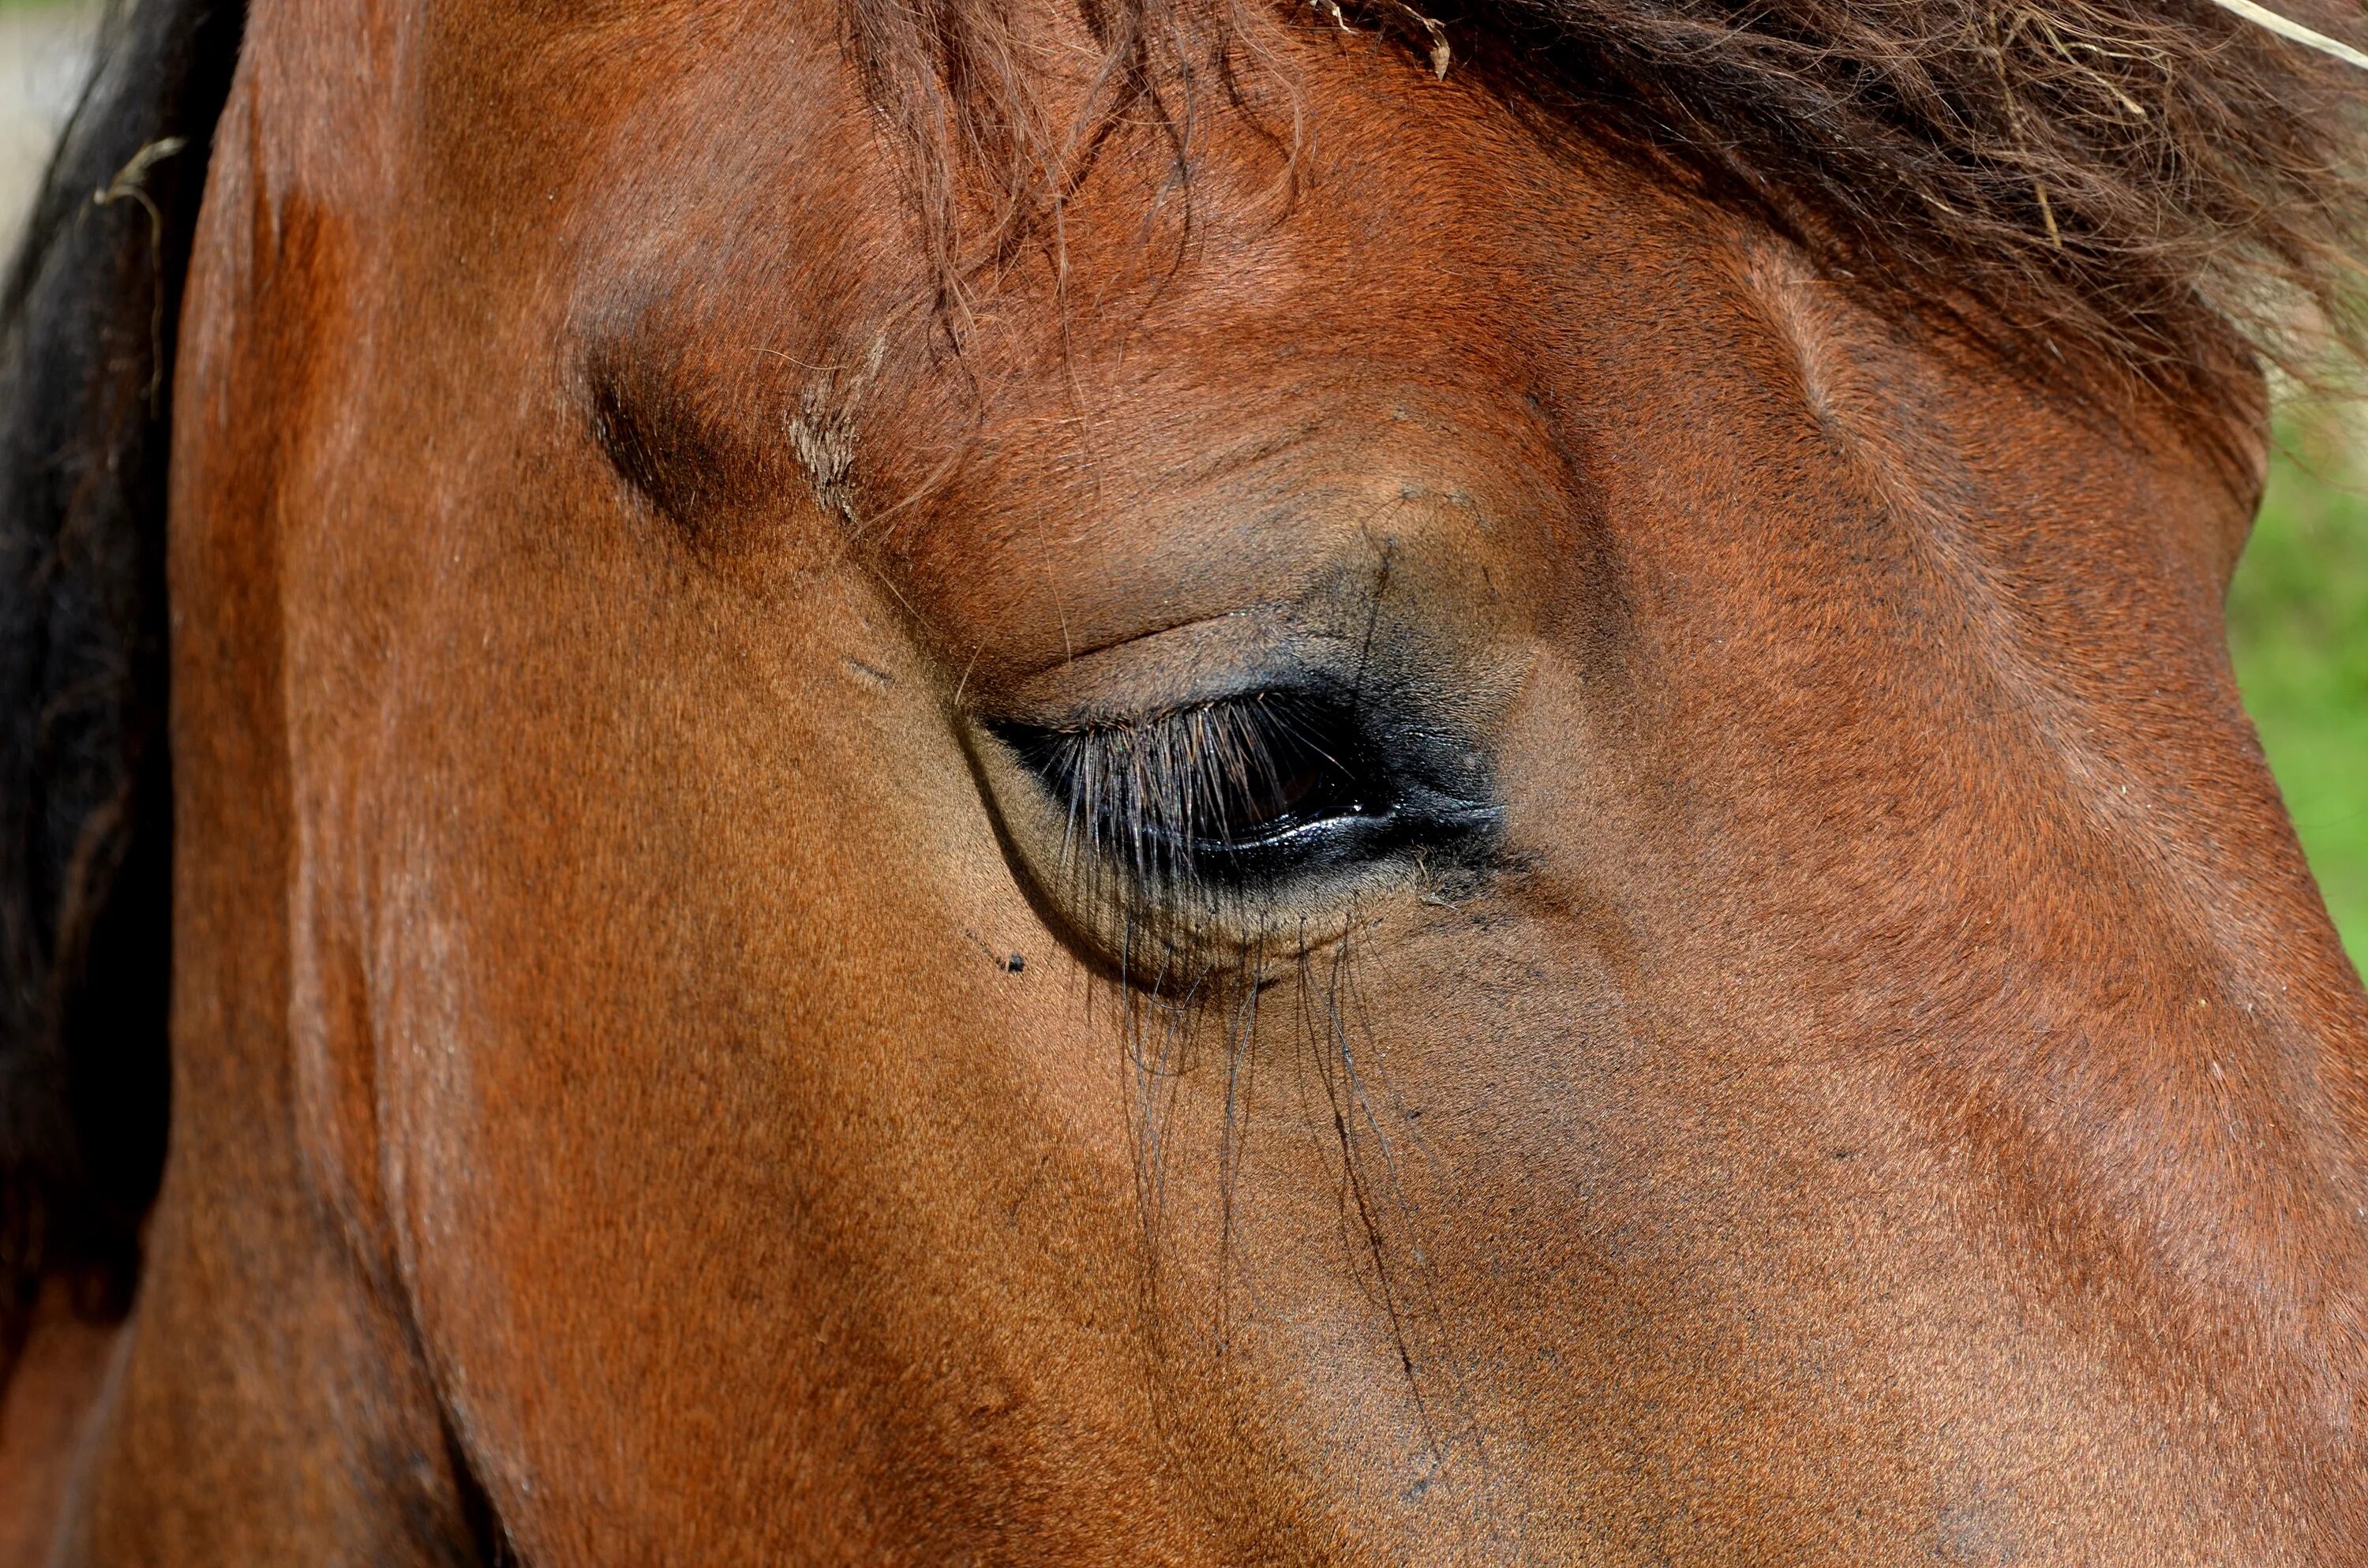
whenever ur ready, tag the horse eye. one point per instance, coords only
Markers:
(1218, 791)
(1293, 781)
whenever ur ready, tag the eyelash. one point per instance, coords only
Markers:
(1226, 793)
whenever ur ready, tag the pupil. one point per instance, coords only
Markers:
(1290, 774)
(1276, 801)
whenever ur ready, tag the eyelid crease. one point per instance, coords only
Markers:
(1202, 661)
(1264, 696)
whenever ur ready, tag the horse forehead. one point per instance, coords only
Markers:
(1447, 303)
(1119, 414)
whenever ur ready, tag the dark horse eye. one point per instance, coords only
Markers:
(1219, 791)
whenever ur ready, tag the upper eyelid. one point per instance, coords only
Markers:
(1279, 712)
(1119, 722)
(1192, 665)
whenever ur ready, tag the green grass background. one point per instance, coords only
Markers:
(2298, 630)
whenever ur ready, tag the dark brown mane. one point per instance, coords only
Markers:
(2156, 188)
(86, 328)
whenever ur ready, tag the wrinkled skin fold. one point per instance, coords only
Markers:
(1795, 1031)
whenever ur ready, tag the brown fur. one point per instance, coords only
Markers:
(1884, 1091)
(2124, 186)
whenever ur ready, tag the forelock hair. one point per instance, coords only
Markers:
(2155, 189)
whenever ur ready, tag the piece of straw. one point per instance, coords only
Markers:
(2261, 16)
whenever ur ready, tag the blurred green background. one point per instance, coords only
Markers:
(2298, 628)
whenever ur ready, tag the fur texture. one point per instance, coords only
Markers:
(2099, 183)
(2121, 185)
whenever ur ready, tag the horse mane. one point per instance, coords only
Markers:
(2149, 189)
(88, 311)
(2153, 186)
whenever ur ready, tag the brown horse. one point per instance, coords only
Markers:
(1169, 783)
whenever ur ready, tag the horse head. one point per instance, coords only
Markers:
(1187, 785)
